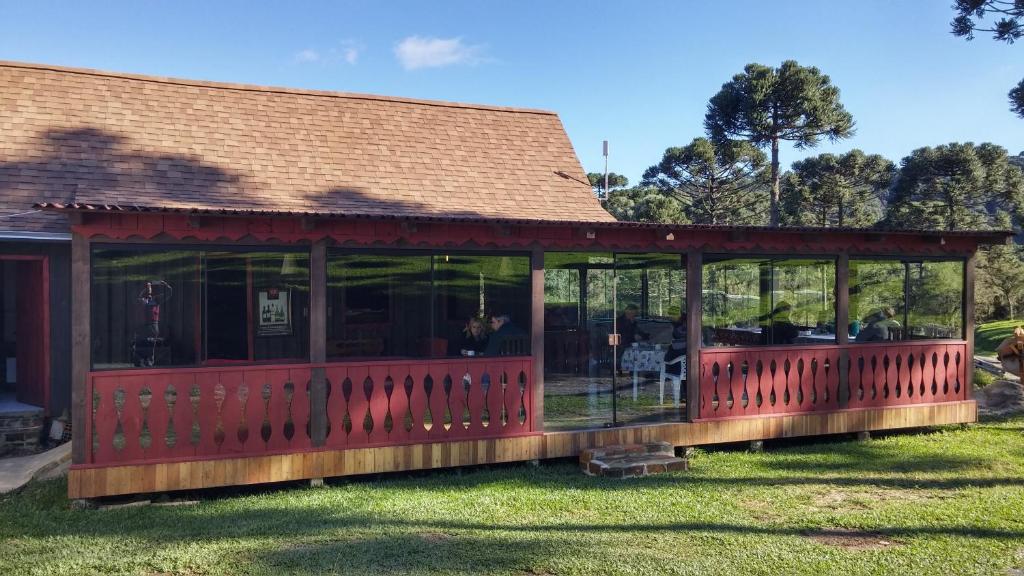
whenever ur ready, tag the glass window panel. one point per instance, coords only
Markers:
(803, 302)
(165, 307)
(586, 293)
(764, 301)
(577, 361)
(650, 302)
(469, 289)
(146, 308)
(279, 292)
(877, 300)
(905, 299)
(378, 305)
(936, 291)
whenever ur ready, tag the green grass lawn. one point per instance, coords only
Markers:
(988, 336)
(949, 501)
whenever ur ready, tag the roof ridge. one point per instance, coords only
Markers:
(268, 89)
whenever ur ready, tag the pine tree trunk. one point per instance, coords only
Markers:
(774, 208)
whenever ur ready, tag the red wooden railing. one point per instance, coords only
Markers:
(381, 403)
(736, 382)
(907, 373)
(197, 413)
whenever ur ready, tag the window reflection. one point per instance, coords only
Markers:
(899, 299)
(587, 297)
(159, 307)
(765, 301)
(427, 305)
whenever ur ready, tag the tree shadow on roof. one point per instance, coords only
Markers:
(93, 166)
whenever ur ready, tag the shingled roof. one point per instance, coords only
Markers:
(72, 136)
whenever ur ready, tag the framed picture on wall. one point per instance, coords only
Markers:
(273, 312)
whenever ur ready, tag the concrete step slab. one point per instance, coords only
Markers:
(16, 472)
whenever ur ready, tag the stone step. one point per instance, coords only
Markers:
(20, 431)
(631, 460)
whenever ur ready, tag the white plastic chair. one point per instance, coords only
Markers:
(677, 381)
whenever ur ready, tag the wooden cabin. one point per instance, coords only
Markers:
(270, 284)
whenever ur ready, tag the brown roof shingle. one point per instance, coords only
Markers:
(69, 135)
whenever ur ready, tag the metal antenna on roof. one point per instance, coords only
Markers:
(605, 197)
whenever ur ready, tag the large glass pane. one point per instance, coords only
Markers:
(577, 319)
(766, 301)
(146, 307)
(936, 291)
(591, 295)
(877, 300)
(803, 302)
(470, 289)
(165, 307)
(257, 305)
(378, 305)
(736, 301)
(649, 306)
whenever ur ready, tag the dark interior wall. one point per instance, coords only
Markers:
(59, 254)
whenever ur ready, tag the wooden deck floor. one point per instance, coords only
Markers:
(91, 482)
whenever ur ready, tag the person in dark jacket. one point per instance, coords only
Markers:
(782, 329)
(629, 329)
(502, 331)
(877, 324)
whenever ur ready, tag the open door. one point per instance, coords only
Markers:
(32, 334)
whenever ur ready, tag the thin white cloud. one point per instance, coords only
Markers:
(350, 55)
(347, 51)
(415, 52)
(307, 55)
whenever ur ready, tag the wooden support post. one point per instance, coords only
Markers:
(694, 307)
(843, 326)
(80, 345)
(537, 331)
(968, 308)
(318, 342)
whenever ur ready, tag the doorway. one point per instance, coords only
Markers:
(24, 332)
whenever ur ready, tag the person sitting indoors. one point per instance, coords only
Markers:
(629, 329)
(782, 329)
(474, 338)
(503, 331)
(876, 326)
(676, 349)
(679, 328)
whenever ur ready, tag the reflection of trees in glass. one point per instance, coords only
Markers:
(731, 293)
(808, 286)
(936, 296)
(743, 292)
(654, 283)
(935, 288)
(875, 285)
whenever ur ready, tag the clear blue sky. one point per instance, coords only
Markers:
(636, 73)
